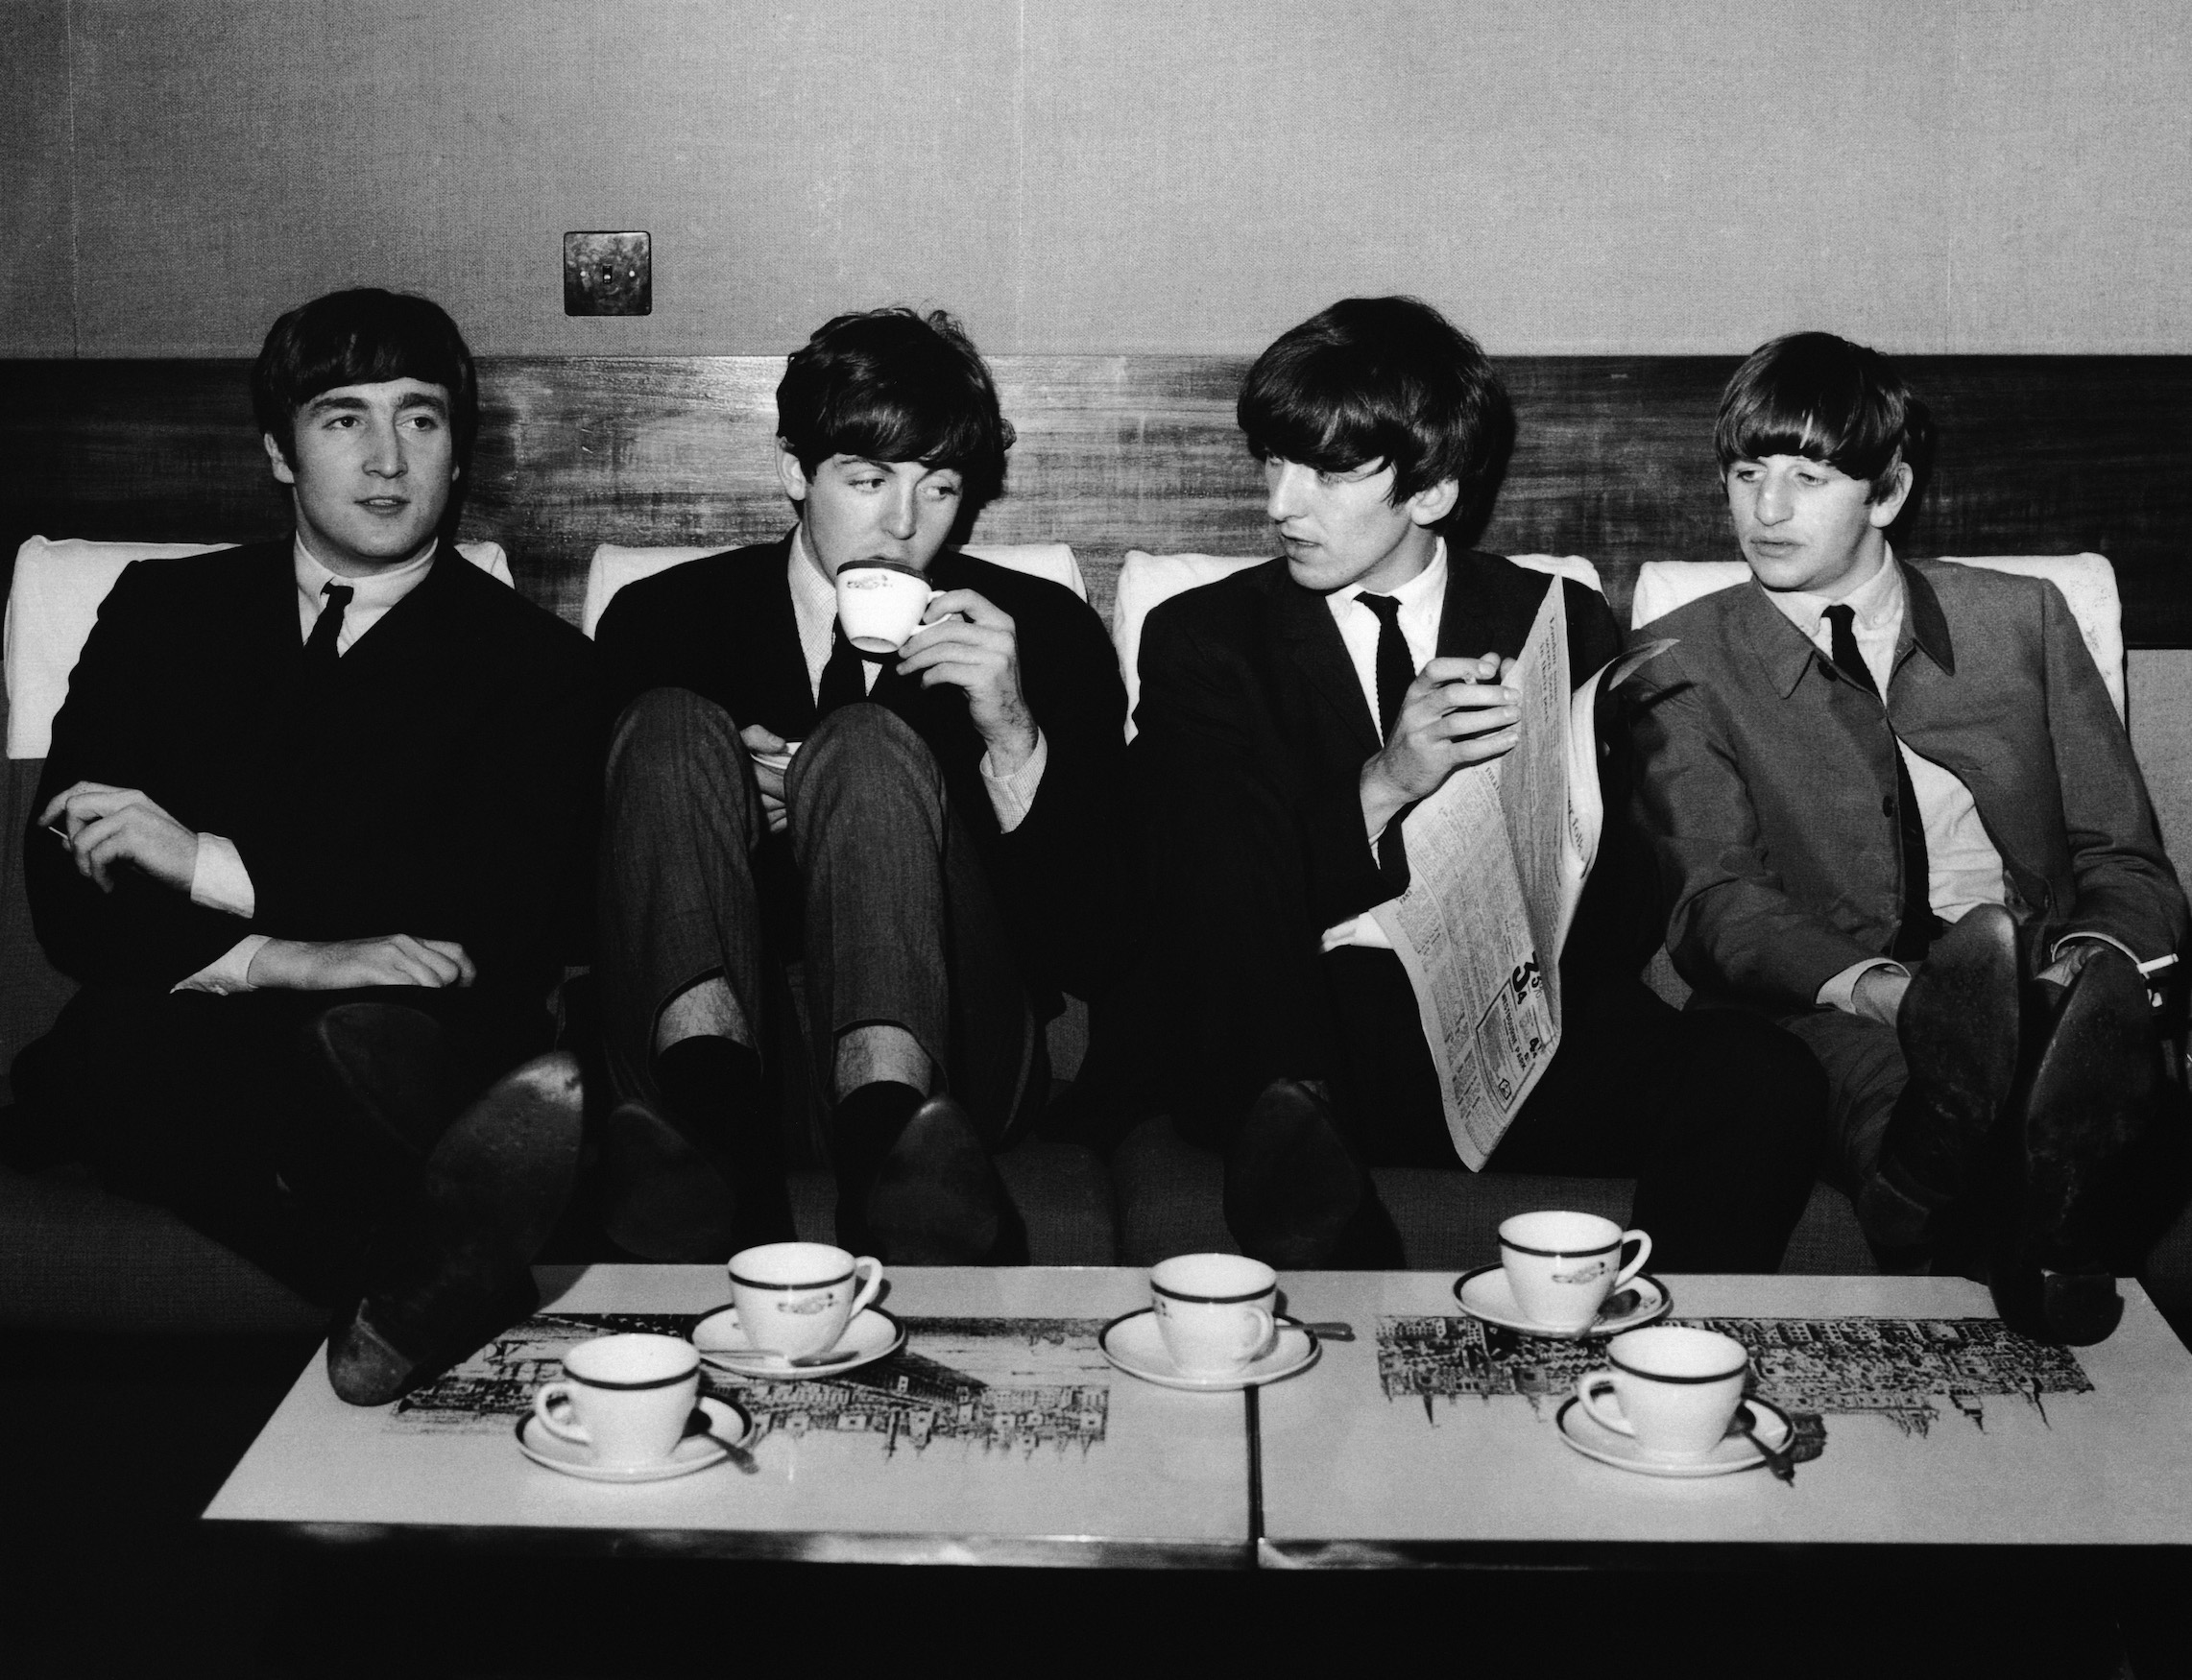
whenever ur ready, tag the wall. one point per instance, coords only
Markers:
(1107, 175)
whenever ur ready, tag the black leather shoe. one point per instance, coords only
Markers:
(448, 1271)
(937, 1200)
(2071, 1309)
(666, 1198)
(1957, 1026)
(2093, 1101)
(379, 1070)
(1295, 1196)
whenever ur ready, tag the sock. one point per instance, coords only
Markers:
(712, 1092)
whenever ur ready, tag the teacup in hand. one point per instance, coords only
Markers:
(1215, 1311)
(626, 1397)
(880, 604)
(1562, 1266)
(1673, 1388)
(796, 1298)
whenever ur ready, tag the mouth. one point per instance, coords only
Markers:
(384, 504)
(1773, 547)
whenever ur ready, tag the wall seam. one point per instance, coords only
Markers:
(75, 194)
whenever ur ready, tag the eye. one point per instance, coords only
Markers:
(944, 492)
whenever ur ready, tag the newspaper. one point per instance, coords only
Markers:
(1497, 861)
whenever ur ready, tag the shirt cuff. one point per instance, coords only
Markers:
(1012, 797)
(219, 880)
(231, 972)
(2153, 968)
(1841, 991)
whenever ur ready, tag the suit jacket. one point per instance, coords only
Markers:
(1769, 781)
(1254, 666)
(723, 626)
(437, 784)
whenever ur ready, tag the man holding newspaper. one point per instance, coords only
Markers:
(1336, 869)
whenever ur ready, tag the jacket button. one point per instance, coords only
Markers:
(1887, 805)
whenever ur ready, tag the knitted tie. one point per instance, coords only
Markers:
(320, 650)
(1395, 671)
(844, 678)
(1920, 924)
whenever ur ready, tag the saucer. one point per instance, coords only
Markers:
(873, 1334)
(727, 1427)
(1734, 1451)
(1137, 1347)
(1484, 1294)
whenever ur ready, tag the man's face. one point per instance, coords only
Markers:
(858, 509)
(1342, 528)
(1806, 525)
(370, 472)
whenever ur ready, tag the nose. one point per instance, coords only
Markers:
(384, 449)
(1773, 505)
(900, 512)
(1283, 482)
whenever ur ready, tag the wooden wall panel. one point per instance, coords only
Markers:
(1613, 462)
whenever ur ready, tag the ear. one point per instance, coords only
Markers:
(284, 472)
(1426, 507)
(1883, 513)
(790, 474)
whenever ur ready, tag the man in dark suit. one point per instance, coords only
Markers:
(1290, 717)
(930, 831)
(311, 808)
(1879, 874)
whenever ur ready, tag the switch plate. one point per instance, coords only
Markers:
(607, 274)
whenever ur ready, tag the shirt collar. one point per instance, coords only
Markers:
(374, 593)
(1876, 605)
(1428, 583)
(813, 592)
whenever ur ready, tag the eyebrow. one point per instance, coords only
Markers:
(329, 401)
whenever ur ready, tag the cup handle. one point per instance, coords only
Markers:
(1643, 1241)
(1267, 1337)
(870, 1289)
(545, 1400)
(1588, 1387)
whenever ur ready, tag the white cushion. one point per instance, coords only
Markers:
(55, 600)
(1146, 580)
(615, 566)
(2087, 581)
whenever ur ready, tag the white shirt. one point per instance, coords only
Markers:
(1963, 868)
(1423, 603)
(814, 609)
(218, 879)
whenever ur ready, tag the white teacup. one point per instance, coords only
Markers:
(1215, 1311)
(1562, 1266)
(1674, 1388)
(627, 1397)
(880, 604)
(796, 1298)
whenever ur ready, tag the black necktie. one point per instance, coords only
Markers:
(1397, 670)
(1920, 924)
(320, 651)
(844, 678)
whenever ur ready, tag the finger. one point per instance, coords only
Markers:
(924, 644)
(1475, 750)
(1455, 726)
(61, 801)
(422, 964)
(1449, 669)
(978, 608)
(759, 738)
(1504, 671)
(770, 780)
(1446, 696)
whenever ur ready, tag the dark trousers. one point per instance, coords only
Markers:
(1720, 1120)
(875, 887)
(218, 1109)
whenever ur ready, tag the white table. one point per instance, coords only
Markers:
(1353, 1477)
(1058, 1458)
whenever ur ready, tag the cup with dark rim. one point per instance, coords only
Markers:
(626, 1399)
(1673, 1388)
(1216, 1311)
(879, 602)
(796, 1298)
(1561, 1266)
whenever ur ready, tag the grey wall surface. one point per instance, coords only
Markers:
(1083, 176)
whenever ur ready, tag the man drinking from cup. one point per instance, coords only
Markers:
(1290, 717)
(926, 827)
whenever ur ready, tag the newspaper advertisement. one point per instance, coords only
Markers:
(1497, 860)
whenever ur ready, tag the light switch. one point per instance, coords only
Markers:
(607, 274)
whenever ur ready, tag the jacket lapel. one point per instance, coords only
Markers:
(1312, 641)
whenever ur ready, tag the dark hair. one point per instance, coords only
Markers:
(365, 336)
(1383, 379)
(1814, 394)
(892, 385)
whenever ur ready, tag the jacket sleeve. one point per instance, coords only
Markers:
(143, 933)
(1733, 928)
(2127, 887)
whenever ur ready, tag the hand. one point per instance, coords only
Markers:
(2073, 955)
(977, 651)
(301, 965)
(1456, 712)
(769, 778)
(1879, 995)
(105, 826)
